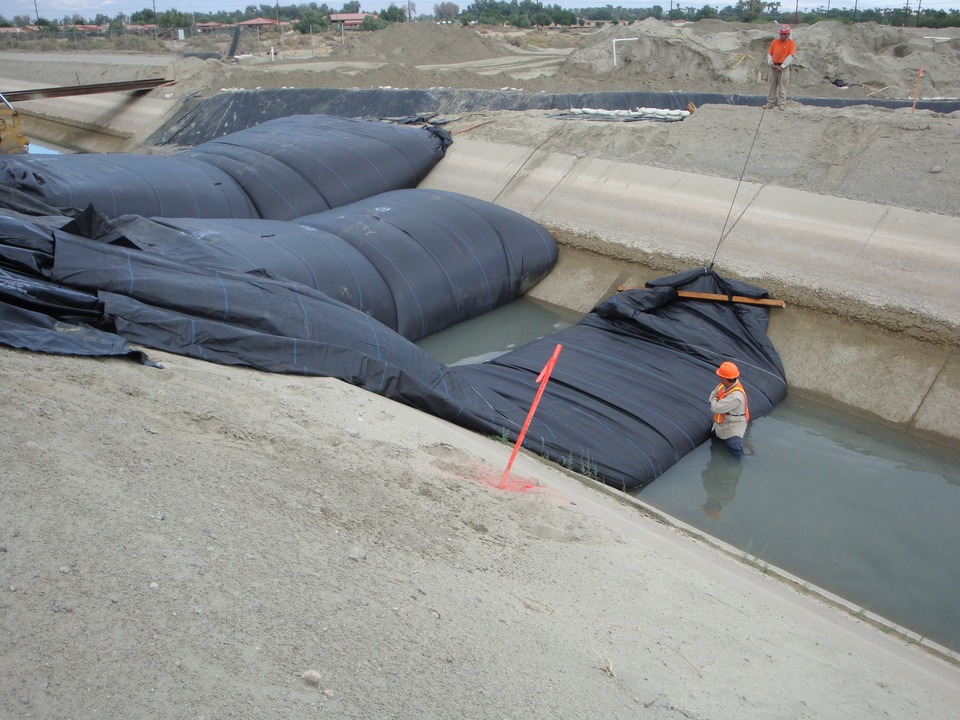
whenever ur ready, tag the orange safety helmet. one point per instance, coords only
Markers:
(784, 29)
(728, 371)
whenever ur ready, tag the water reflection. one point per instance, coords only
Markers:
(498, 332)
(720, 477)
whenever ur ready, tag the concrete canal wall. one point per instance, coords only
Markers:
(872, 321)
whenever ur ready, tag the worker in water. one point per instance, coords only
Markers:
(728, 403)
(779, 58)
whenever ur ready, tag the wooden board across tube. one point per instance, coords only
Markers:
(716, 297)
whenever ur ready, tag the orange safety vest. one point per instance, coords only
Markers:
(723, 392)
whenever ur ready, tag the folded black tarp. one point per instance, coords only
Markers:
(628, 395)
(626, 400)
(418, 261)
(279, 170)
(321, 295)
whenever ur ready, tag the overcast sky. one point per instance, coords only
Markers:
(57, 9)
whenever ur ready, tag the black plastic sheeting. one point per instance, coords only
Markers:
(342, 292)
(628, 395)
(280, 170)
(233, 111)
(418, 261)
(626, 400)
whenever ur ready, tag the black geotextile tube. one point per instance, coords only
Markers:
(627, 398)
(279, 170)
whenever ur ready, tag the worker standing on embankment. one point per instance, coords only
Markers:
(779, 57)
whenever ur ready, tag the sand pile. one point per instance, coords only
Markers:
(711, 56)
(421, 43)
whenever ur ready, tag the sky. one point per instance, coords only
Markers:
(57, 9)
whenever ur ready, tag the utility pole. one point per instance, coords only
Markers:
(919, 2)
(280, 30)
(156, 23)
(36, 12)
(854, 10)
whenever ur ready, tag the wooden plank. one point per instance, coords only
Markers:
(715, 297)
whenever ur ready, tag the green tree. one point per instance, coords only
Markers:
(393, 14)
(173, 18)
(372, 23)
(351, 7)
(143, 17)
(446, 11)
(311, 20)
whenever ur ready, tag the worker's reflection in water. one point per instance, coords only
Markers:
(720, 478)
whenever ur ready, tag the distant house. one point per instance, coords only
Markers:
(349, 20)
(91, 29)
(141, 29)
(258, 22)
(209, 27)
(17, 30)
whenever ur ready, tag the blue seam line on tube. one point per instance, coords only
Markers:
(605, 426)
(466, 246)
(376, 337)
(343, 185)
(306, 321)
(226, 298)
(338, 249)
(638, 368)
(294, 253)
(582, 382)
(255, 173)
(407, 282)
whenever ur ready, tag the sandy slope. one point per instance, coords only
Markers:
(188, 541)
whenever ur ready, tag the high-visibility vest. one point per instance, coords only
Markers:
(722, 392)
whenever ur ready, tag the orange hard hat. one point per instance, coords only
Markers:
(784, 29)
(728, 371)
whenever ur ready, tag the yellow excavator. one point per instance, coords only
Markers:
(12, 139)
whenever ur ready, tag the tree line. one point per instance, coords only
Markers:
(311, 17)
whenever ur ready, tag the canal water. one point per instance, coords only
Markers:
(858, 509)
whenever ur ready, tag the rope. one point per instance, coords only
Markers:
(736, 192)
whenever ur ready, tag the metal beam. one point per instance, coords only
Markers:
(69, 90)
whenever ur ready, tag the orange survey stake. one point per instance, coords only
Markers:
(542, 379)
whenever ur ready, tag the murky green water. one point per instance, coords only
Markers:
(867, 513)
